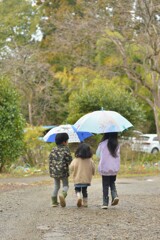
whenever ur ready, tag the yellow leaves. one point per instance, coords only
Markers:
(32, 134)
(84, 73)
(121, 81)
(79, 70)
(80, 75)
(65, 77)
(135, 51)
(113, 60)
(113, 35)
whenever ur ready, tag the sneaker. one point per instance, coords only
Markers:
(115, 201)
(55, 204)
(85, 202)
(62, 201)
(104, 207)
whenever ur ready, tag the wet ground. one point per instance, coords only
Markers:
(26, 212)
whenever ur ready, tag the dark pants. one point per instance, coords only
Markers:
(83, 190)
(109, 182)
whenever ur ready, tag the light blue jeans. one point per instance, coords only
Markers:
(57, 185)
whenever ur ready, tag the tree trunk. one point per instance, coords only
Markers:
(30, 113)
(1, 167)
(157, 116)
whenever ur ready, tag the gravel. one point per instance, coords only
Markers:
(26, 212)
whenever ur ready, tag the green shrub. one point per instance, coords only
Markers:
(36, 150)
(11, 124)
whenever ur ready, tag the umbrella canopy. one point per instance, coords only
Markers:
(74, 135)
(102, 122)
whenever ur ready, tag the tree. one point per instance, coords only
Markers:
(80, 42)
(22, 60)
(109, 96)
(71, 30)
(11, 124)
(43, 99)
(135, 32)
(18, 23)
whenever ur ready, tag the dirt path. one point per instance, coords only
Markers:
(26, 213)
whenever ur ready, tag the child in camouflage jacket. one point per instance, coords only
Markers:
(59, 160)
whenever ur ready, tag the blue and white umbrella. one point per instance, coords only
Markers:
(102, 122)
(74, 135)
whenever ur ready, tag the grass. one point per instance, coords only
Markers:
(138, 164)
(132, 164)
(138, 170)
(126, 170)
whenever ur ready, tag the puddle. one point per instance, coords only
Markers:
(55, 235)
(149, 180)
(43, 227)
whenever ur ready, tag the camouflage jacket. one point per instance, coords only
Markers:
(59, 160)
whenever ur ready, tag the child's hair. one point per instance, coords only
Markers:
(61, 137)
(84, 151)
(112, 142)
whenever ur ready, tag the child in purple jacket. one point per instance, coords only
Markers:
(109, 153)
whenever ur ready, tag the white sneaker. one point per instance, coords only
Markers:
(104, 207)
(85, 202)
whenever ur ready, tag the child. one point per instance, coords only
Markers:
(109, 153)
(59, 160)
(83, 168)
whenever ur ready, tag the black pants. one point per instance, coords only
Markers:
(83, 190)
(108, 182)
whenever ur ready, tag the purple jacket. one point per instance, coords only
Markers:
(108, 165)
